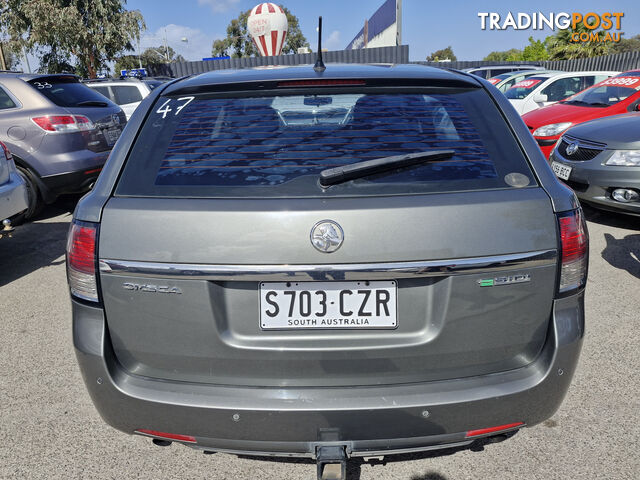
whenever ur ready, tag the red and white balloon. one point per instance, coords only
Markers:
(267, 25)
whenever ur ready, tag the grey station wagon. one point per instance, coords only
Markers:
(357, 262)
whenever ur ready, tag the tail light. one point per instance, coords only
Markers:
(64, 123)
(7, 153)
(81, 260)
(574, 251)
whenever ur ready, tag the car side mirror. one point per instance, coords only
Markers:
(540, 98)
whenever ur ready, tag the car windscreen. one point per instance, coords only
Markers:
(606, 93)
(276, 146)
(523, 88)
(68, 92)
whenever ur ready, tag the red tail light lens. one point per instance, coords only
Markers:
(7, 153)
(167, 436)
(574, 251)
(81, 260)
(63, 123)
(485, 431)
(320, 83)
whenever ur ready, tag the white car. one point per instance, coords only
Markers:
(126, 93)
(13, 193)
(545, 89)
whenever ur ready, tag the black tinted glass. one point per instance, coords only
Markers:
(5, 100)
(124, 94)
(277, 146)
(66, 92)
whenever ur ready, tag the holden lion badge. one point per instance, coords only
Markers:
(327, 236)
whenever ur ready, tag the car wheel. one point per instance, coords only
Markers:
(34, 201)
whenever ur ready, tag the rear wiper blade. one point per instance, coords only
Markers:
(92, 103)
(332, 176)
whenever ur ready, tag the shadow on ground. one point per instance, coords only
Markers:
(623, 253)
(611, 219)
(37, 243)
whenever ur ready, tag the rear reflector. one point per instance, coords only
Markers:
(575, 250)
(64, 123)
(320, 83)
(167, 436)
(81, 260)
(485, 431)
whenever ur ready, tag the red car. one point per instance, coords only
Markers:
(619, 94)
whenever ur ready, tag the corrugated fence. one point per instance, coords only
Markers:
(400, 54)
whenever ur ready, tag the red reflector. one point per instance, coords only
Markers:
(573, 236)
(168, 436)
(95, 170)
(7, 153)
(484, 431)
(320, 83)
(81, 249)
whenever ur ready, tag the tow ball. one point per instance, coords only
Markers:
(331, 462)
(7, 228)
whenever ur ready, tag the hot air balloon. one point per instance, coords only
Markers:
(267, 25)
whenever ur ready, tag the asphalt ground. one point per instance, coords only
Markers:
(49, 428)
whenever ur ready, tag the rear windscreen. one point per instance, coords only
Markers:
(278, 145)
(68, 92)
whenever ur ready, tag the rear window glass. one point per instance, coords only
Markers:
(124, 94)
(67, 92)
(523, 88)
(278, 145)
(102, 91)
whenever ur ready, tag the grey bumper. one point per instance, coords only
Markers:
(593, 182)
(13, 196)
(369, 421)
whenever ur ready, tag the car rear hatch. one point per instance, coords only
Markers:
(223, 261)
(99, 121)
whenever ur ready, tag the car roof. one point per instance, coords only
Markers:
(388, 73)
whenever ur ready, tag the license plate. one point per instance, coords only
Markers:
(112, 135)
(562, 171)
(306, 305)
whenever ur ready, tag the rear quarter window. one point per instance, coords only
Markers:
(124, 94)
(276, 146)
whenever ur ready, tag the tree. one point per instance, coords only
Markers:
(92, 31)
(562, 47)
(510, 55)
(443, 54)
(125, 62)
(627, 45)
(238, 42)
(534, 52)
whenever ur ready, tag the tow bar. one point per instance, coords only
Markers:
(331, 462)
(7, 229)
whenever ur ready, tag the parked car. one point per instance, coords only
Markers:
(546, 89)
(59, 132)
(507, 80)
(600, 160)
(126, 92)
(620, 94)
(282, 262)
(13, 194)
(493, 70)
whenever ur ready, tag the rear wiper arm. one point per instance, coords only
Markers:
(92, 103)
(332, 176)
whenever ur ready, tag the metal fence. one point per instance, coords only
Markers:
(398, 54)
(460, 65)
(619, 62)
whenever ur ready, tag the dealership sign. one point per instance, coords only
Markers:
(383, 29)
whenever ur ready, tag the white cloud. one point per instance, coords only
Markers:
(333, 42)
(219, 5)
(196, 47)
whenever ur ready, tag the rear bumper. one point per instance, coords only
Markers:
(72, 182)
(13, 196)
(368, 421)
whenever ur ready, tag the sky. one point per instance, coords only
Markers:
(427, 25)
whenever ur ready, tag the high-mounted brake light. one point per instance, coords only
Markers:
(64, 123)
(81, 260)
(498, 429)
(320, 83)
(166, 436)
(574, 253)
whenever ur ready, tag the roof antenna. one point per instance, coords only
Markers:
(319, 66)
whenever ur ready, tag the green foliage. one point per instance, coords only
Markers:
(238, 42)
(534, 52)
(150, 58)
(561, 47)
(627, 45)
(125, 62)
(92, 31)
(505, 56)
(442, 54)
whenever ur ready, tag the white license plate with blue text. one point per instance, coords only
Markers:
(306, 305)
(563, 172)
